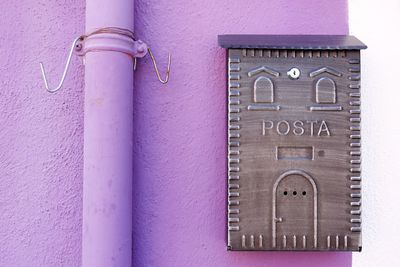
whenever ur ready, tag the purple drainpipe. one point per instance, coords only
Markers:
(107, 186)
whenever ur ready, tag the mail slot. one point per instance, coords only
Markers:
(294, 158)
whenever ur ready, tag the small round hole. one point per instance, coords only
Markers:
(294, 193)
(304, 193)
(285, 193)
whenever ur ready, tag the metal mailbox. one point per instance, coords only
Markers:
(294, 175)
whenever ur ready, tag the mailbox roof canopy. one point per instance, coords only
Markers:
(296, 42)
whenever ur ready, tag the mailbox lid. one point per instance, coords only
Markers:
(298, 42)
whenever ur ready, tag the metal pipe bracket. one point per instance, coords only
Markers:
(111, 42)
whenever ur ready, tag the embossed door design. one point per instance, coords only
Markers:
(294, 211)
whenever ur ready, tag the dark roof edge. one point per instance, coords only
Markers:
(299, 42)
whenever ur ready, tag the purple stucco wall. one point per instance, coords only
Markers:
(179, 138)
(41, 135)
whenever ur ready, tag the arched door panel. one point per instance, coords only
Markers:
(294, 211)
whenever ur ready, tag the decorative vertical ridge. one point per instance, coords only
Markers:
(234, 145)
(355, 144)
(288, 53)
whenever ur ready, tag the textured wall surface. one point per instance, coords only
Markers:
(179, 139)
(41, 135)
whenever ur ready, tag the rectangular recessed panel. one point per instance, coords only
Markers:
(295, 153)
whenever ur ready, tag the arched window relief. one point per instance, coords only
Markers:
(325, 91)
(263, 90)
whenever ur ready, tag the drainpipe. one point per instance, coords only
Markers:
(109, 48)
(107, 183)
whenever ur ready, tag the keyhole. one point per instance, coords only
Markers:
(294, 73)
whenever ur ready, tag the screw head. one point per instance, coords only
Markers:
(78, 47)
(294, 73)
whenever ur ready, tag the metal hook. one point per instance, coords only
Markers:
(156, 69)
(52, 90)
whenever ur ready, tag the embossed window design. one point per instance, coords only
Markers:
(325, 91)
(263, 91)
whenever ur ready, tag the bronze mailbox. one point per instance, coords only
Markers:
(294, 151)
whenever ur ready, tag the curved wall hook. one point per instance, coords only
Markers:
(135, 50)
(163, 81)
(68, 62)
